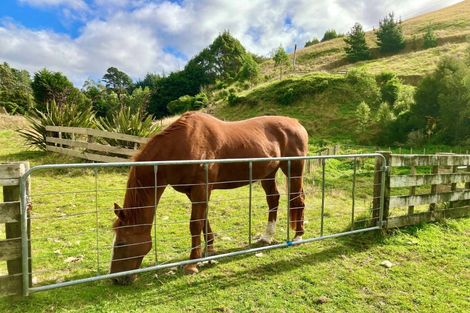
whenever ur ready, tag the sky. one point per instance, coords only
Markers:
(82, 38)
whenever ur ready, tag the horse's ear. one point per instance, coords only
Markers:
(118, 211)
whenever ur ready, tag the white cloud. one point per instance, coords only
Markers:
(134, 35)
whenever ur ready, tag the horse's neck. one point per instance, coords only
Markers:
(140, 197)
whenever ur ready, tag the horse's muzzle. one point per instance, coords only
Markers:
(124, 280)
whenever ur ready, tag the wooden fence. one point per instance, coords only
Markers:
(92, 144)
(10, 238)
(424, 188)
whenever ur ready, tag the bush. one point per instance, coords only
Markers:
(233, 99)
(365, 85)
(390, 90)
(182, 104)
(287, 97)
(70, 115)
(363, 117)
(188, 103)
(128, 121)
(429, 39)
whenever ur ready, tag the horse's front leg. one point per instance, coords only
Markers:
(196, 225)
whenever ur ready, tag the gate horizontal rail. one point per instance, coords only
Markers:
(377, 211)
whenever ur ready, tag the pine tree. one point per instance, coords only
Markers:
(429, 38)
(357, 48)
(390, 35)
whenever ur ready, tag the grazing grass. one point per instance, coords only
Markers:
(430, 269)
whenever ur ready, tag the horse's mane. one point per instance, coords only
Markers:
(181, 123)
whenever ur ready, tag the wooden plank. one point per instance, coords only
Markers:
(10, 285)
(429, 216)
(10, 249)
(398, 181)
(404, 201)
(64, 129)
(9, 181)
(429, 160)
(110, 135)
(12, 170)
(10, 212)
(84, 155)
(92, 146)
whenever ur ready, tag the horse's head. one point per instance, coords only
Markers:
(132, 242)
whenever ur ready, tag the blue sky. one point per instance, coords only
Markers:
(82, 38)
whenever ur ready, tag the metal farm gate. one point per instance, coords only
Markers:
(71, 213)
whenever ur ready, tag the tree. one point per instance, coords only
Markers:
(390, 35)
(117, 81)
(429, 38)
(15, 90)
(312, 42)
(249, 70)
(54, 86)
(356, 49)
(443, 102)
(281, 59)
(329, 34)
(363, 117)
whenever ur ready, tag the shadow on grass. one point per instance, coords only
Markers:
(173, 288)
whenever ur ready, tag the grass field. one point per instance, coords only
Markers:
(430, 272)
(451, 25)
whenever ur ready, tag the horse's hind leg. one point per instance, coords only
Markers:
(272, 197)
(196, 225)
(296, 197)
(209, 238)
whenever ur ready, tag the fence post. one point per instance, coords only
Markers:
(10, 215)
(381, 177)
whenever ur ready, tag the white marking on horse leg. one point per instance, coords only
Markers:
(269, 232)
(297, 238)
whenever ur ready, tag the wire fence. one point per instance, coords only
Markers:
(72, 214)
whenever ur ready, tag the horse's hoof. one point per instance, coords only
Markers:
(210, 251)
(265, 241)
(191, 269)
(297, 238)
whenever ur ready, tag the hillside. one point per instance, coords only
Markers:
(324, 92)
(451, 25)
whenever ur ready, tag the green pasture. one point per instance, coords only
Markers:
(72, 238)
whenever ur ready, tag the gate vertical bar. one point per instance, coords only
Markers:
(97, 222)
(24, 234)
(155, 181)
(353, 194)
(288, 199)
(250, 201)
(207, 210)
(322, 195)
(384, 170)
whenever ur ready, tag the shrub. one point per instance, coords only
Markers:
(128, 121)
(233, 99)
(182, 104)
(70, 115)
(429, 39)
(390, 90)
(287, 97)
(365, 85)
(363, 117)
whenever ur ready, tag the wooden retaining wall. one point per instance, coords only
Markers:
(10, 216)
(440, 183)
(92, 144)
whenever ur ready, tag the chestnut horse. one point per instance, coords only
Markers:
(198, 136)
